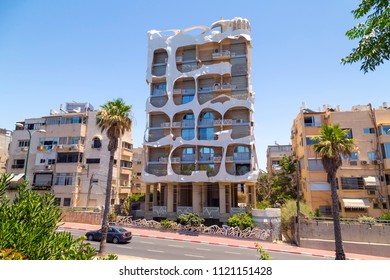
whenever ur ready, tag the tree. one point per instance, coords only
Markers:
(28, 228)
(330, 146)
(114, 118)
(281, 186)
(374, 45)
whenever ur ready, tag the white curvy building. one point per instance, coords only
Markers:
(199, 140)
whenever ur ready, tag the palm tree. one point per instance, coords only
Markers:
(330, 146)
(114, 118)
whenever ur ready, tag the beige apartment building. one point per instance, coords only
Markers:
(275, 154)
(137, 186)
(5, 140)
(364, 178)
(68, 157)
(199, 142)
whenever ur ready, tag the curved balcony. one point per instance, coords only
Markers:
(160, 59)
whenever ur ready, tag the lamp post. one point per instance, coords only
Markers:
(30, 134)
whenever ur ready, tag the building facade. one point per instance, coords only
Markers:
(137, 186)
(68, 156)
(364, 178)
(5, 140)
(199, 140)
(275, 154)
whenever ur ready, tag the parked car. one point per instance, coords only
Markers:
(115, 234)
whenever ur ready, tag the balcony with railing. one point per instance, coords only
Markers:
(157, 169)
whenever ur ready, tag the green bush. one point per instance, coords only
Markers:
(28, 227)
(168, 224)
(317, 213)
(366, 220)
(288, 214)
(385, 216)
(263, 204)
(241, 220)
(192, 219)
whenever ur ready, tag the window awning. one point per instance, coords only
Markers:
(356, 203)
(371, 181)
(16, 179)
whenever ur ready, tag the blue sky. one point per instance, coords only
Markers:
(53, 52)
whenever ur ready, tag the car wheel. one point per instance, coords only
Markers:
(90, 237)
(115, 240)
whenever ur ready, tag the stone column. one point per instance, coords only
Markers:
(155, 195)
(169, 198)
(222, 198)
(197, 198)
(147, 198)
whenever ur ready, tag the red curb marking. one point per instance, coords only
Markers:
(195, 241)
(161, 237)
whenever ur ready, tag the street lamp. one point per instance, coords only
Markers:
(29, 145)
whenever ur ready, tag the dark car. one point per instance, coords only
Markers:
(115, 234)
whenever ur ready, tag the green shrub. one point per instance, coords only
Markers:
(168, 224)
(317, 213)
(263, 254)
(241, 220)
(28, 226)
(366, 220)
(385, 216)
(263, 204)
(288, 214)
(11, 254)
(192, 219)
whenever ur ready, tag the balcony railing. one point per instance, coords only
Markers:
(188, 123)
(175, 159)
(211, 212)
(223, 54)
(176, 124)
(188, 158)
(163, 159)
(17, 166)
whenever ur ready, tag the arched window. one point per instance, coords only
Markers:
(96, 143)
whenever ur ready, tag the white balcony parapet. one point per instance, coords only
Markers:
(183, 210)
(227, 121)
(217, 158)
(229, 159)
(211, 212)
(177, 91)
(176, 124)
(163, 160)
(179, 58)
(175, 159)
(160, 211)
(217, 122)
(166, 125)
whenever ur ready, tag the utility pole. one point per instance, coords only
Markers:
(297, 235)
(89, 191)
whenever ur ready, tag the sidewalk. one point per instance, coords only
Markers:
(231, 242)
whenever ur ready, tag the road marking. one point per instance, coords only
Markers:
(176, 246)
(123, 247)
(203, 249)
(193, 256)
(233, 253)
(145, 242)
(155, 251)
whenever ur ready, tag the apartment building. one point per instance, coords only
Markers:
(364, 178)
(275, 154)
(199, 140)
(5, 140)
(66, 153)
(137, 186)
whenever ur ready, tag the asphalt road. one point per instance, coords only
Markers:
(162, 249)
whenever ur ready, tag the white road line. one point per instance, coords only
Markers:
(203, 249)
(233, 253)
(176, 246)
(193, 256)
(155, 251)
(123, 247)
(145, 242)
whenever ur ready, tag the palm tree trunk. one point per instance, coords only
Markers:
(107, 206)
(340, 255)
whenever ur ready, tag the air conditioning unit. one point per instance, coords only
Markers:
(372, 192)
(382, 200)
(376, 161)
(363, 162)
(60, 147)
(353, 162)
(49, 167)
